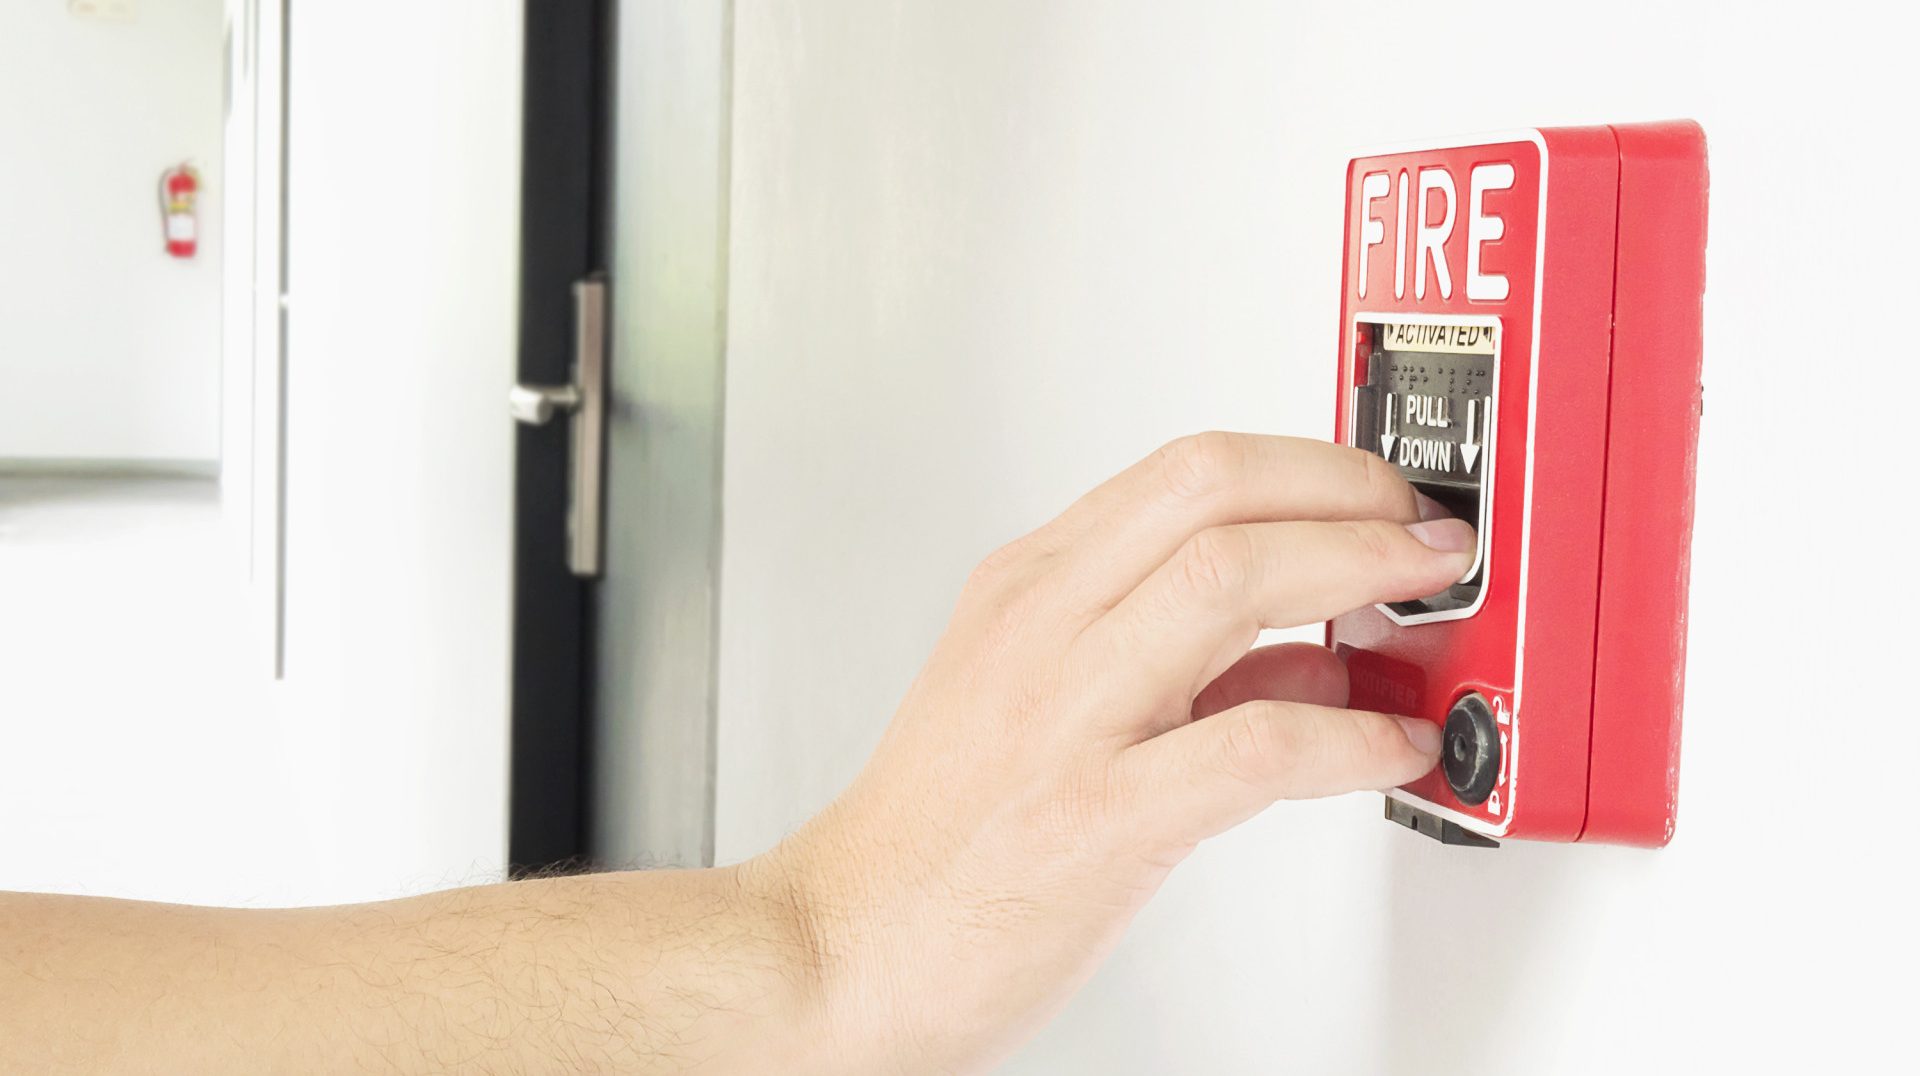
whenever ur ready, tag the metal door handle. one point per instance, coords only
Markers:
(535, 404)
(585, 404)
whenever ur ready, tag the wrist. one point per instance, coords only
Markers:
(780, 890)
(838, 953)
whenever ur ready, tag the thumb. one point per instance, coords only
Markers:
(1210, 775)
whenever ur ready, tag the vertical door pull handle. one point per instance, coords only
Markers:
(584, 402)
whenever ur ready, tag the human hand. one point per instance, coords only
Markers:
(1092, 713)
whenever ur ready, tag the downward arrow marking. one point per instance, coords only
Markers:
(1469, 451)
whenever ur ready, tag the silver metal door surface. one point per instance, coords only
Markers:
(652, 674)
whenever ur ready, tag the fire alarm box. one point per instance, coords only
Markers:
(1520, 338)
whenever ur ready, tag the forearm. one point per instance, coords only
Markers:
(640, 971)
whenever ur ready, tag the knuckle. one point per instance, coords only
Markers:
(1002, 621)
(1084, 798)
(1383, 485)
(1375, 541)
(1247, 748)
(1261, 745)
(980, 583)
(1377, 739)
(994, 567)
(1218, 560)
(982, 580)
(1004, 567)
(1004, 598)
(1200, 465)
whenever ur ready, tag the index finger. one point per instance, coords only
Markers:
(1111, 539)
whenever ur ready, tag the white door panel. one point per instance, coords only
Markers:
(402, 231)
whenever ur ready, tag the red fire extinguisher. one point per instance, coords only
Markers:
(179, 187)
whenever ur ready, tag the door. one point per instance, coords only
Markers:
(623, 234)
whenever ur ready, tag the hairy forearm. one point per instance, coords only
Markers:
(639, 971)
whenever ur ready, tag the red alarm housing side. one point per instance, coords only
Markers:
(1520, 327)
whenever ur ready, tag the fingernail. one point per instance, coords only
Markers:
(1445, 535)
(1430, 508)
(1424, 735)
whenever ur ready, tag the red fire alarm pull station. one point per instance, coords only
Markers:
(1520, 327)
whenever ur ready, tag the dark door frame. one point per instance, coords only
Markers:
(564, 216)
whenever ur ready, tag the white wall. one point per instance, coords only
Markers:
(109, 347)
(985, 254)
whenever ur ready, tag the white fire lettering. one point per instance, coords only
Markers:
(1431, 243)
(1430, 221)
(1400, 243)
(1483, 228)
(1373, 231)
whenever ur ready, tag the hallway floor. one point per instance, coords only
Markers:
(122, 646)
